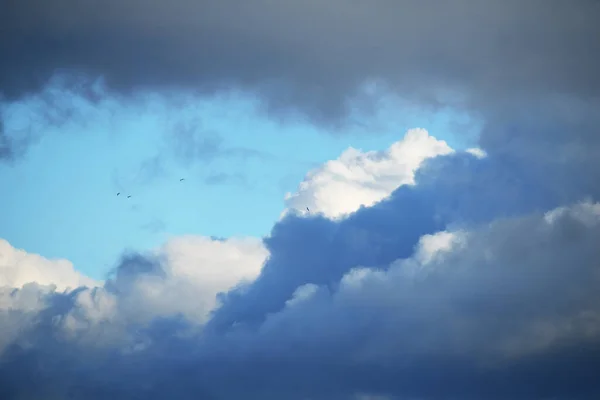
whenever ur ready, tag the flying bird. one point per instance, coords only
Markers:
(307, 209)
(181, 180)
(118, 193)
(128, 197)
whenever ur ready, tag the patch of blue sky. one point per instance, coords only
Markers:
(59, 199)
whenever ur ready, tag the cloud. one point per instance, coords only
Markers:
(197, 269)
(477, 152)
(359, 178)
(184, 125)
(514, 266)
(183, 277)
(222, 177)
(26, 282)
(13, 144)
(489, 303)
(18, 268)
(5, 145)
(42, 327)
(554, 137)
(492, 311)
(308, 54)
(191, 142)
(155, 225)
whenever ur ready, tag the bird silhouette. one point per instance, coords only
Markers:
(181, 180)
(128, 197)
(118, 193)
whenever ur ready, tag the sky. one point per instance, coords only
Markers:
(329, 200)
(230, 156)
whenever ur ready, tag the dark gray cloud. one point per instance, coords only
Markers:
(307, 53)
(494, 317)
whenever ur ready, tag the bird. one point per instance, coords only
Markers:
(118, 193)
(307, 209)
(128, 197)
(181, 180)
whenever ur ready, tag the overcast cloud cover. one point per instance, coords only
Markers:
(420, 272)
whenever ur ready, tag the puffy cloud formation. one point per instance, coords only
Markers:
(188, 274)
(359, 178)
(18, 268)
(182, 278)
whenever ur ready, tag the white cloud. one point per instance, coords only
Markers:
(196, 269)
(477, 152)
(17, 268)
(358, 178)
(432, 246)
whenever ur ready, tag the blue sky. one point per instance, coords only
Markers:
(62, 200)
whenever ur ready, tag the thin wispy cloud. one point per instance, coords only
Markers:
(155, 225)
(220, 178)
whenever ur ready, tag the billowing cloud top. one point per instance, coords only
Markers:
(18, 268)
(361, 179)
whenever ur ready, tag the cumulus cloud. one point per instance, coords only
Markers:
(193, 271)
(182, 278)
(515, 266)
(359, 178)
(482, 302)
(471, 309)
(18, 268)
